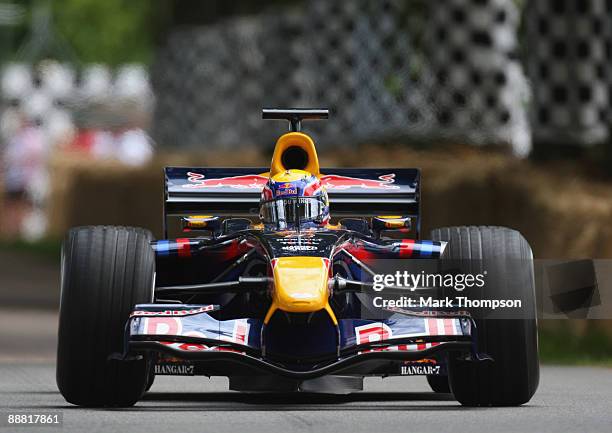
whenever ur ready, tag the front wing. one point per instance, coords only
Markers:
(191, 333)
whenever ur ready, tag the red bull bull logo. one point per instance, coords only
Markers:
(256, 181)
(247, 181)
(338, 182)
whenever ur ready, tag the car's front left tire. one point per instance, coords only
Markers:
(105, 272)
(439, 384)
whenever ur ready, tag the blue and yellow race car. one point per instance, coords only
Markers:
(276, 282)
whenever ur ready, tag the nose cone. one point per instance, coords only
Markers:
(300, 284)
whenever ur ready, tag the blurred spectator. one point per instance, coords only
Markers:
(46, 109)
(25, 179)
(130, 146)
(112, 115)
(114, 130)
(59, 127)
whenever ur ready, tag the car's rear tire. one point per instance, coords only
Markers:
(512, 378)
(105, 272)
(439, 384)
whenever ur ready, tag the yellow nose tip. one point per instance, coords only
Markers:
(300, 284)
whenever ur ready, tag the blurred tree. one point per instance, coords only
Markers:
(109, 31)
(12, 17)
(120, 31)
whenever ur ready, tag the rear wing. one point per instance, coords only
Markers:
(353, 192)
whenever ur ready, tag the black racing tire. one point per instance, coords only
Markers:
(105, 272)
(150, 380)
(513, 376)
(439, 384)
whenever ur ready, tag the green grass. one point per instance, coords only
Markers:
(562, 346)
(46, 248)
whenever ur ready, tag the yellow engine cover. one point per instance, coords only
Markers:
(299, 140)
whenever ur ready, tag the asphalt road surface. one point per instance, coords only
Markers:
(570, 399)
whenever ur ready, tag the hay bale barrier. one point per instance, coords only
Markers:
(86, 192)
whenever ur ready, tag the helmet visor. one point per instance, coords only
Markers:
(293, 210)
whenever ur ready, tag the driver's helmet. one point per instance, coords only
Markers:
(294, 199)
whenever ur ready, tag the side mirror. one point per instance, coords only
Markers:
(355, 224)
(399, 224)
(231, 225)
(207, 223)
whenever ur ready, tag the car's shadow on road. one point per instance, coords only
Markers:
(297, 398)
(244, 402)
(234, 401)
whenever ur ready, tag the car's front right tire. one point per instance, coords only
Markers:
(512, 377)
(105, 272)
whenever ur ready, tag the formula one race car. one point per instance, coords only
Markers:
(275, 290)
